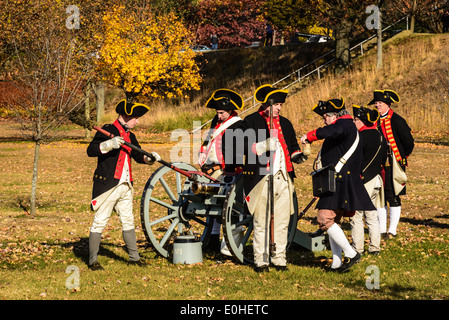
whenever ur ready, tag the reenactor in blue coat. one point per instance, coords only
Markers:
(113, 179)
(374, 148)
(279, 145)
(340, 136)
(400, 145)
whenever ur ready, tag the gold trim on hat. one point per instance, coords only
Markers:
(269, 94)
(132, 108)
(220, 98)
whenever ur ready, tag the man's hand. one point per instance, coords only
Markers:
(298, 157)
(150, 161)
(114, 143)
(268, 145)
(304, 139)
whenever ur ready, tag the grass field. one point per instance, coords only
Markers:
(40, 255)
(36, 252)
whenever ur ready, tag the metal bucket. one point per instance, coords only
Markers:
(187, 250)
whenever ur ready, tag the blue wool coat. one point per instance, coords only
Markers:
(255, 167)
(103, 178)
(350, 194)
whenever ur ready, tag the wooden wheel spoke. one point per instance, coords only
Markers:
(163, 219)
(169, 232)
(172, 207)
(168, 189)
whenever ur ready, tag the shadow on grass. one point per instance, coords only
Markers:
(80, 249)
(397, 291)
(426, 222)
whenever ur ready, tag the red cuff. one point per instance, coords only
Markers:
(253, 148)
(311, 136)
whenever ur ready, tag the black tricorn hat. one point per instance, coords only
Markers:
(387, 96)
(131, 109)
(333, 105)
(225, 99)
(270, 95)
(365, 114)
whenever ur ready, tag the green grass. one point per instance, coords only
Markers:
(35, 252)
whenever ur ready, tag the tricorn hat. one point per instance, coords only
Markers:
(387, 96)
(333, 105)
(225, 99)
(270, 95)
(365, 114)
(131, 109)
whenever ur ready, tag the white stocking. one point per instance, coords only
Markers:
(395, 215)
(337, 235)
(336, 254)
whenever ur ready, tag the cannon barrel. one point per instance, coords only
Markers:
(205, 188)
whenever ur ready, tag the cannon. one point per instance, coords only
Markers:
(174, 204)
(178, 200)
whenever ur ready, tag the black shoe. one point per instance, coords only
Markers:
(139, 263)
(95, 266)
(349, 262)
(261, 269)
(374, 253)
(281, 268)
(390, 236)
(214, 244)
(384, 235)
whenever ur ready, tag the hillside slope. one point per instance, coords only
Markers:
(415, 66)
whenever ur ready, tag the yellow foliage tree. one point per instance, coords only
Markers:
(147, 55)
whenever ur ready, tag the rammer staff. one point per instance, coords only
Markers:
(165, 163)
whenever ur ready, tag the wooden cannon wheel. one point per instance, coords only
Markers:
(163, 215)
(161, 209)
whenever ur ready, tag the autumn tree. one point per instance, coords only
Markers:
(343, 16)
(288, 15)
(47, 69)
(145, 55)
(236, 22)
(429, 13)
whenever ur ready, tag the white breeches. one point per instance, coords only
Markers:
(282, 204)
(121, 201)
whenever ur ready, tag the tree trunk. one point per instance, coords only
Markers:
(34, 179)
(412, 17)
(87, 113)
(342, 45)
(99, 94)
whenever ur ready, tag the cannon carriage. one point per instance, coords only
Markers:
(178, 199)
(188, 201)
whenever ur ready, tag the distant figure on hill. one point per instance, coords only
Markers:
(214, 41)
(268, 35)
